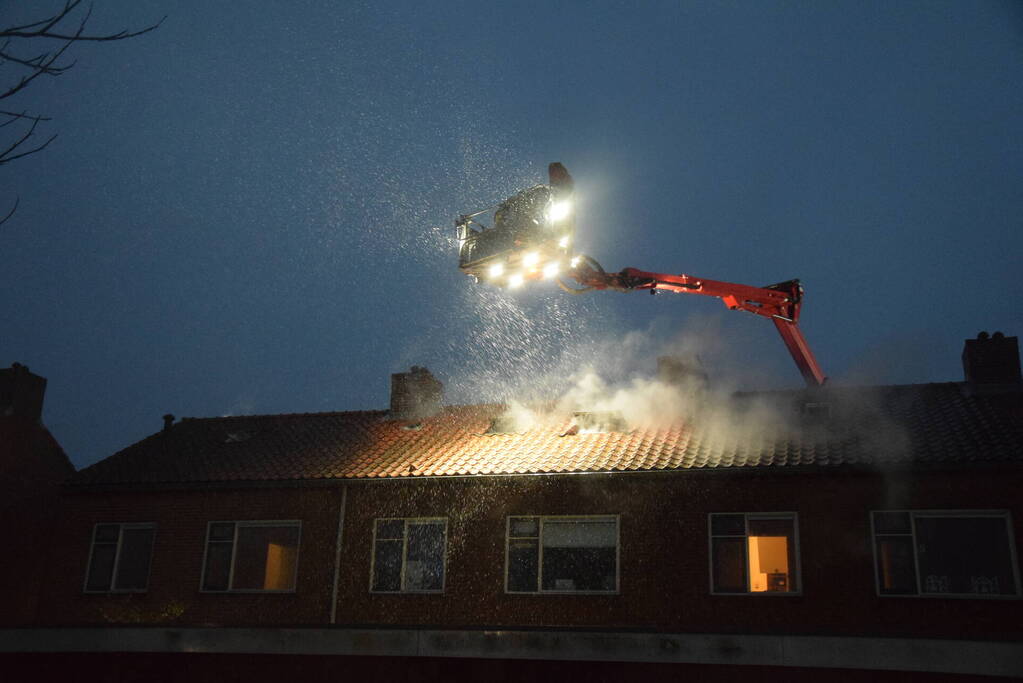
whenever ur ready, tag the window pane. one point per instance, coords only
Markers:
(964, 555)
(387, 566)
(523, 565)
(892, 523)
(579, 569)
(107, 533)
(525, 526)
(101, 566)
(266, 558)
(729, 560)
(133, 564)
(579, 555)
(579, 533)
(728, 525)
(218, 566)
(390, 528)
(895, 570)
(424, 564)
(771, 555)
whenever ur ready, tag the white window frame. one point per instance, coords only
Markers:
(296, 523)
(955, 514)
(541, 519)
(117, 556)
(756, 516)
(404, 554)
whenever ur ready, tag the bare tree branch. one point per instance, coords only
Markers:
(51, 22)
(46, 31)
(13, 209)
(13, 116)
(43, 68)
(8, 155)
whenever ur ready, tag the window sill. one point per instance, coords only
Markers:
(591, 593)
(950, 596)
(762, 594)
(248, 592)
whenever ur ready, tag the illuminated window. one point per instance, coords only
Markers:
(251, 556)
(408, 555)
(754, 553)
(940, 553)
(562, 555)
(119, 558)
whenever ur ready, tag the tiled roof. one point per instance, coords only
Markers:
(929, 424)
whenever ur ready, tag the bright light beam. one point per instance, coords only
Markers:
(559, 210)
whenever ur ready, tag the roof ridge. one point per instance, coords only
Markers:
(326, 413)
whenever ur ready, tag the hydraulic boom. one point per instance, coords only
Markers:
(531, 239)
(780, 302)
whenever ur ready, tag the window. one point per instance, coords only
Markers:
(562, 555)
(251, 556)
(408, 555)
(754, 553)
(119, 558)
(944, 553)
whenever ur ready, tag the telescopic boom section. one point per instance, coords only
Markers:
(780, 302)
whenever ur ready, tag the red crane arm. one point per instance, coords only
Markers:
(780, 302)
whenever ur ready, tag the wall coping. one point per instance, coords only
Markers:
(988, 658)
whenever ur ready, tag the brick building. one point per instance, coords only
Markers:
(858, 530)
(32, 468)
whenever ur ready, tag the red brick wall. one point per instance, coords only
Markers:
(173, 596)
(664, 554)
(32, 469)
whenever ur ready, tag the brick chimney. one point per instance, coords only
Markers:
(415, 394)
(992, 359)
(21, 393)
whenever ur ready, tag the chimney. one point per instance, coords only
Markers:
(991, 359)
(415, 394)
(685, 372)
(21, 393)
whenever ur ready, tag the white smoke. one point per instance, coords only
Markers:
(619, 377)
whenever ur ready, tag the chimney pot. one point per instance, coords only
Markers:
(992, 359)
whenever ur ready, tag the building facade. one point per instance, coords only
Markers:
(854, 530)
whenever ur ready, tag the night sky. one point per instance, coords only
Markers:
(251, 209)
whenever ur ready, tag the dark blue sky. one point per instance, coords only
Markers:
(251, 211)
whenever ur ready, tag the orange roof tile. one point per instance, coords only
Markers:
(915, 424)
